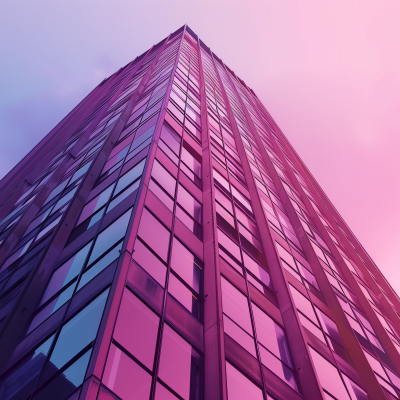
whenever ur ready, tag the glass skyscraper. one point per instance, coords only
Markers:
(165, 241)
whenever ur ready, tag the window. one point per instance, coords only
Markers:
(109, 236)
(137, 329)
(239, 387)
(273, 342)
(237, 323)
(75, 335)
(154, 234)
(61, 278)
(125, 377)
(179, 365)
(328, 376)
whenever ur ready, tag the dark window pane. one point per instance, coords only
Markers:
(66, 382)
(109, 236)
(100, 265)
(154, 234)
(95, 204)
(125, 377)
(78, 332)
(64, 274)
(19, 383)
(130, 176)
(137, 329)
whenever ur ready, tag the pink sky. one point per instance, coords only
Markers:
(328, 72)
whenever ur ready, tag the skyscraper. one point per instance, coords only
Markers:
(165, 241)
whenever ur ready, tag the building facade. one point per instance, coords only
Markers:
(165, 241)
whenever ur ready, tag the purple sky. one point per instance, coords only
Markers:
(328, 72)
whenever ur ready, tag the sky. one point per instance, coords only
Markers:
(327, 71)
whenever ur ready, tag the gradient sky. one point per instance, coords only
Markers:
(327, 71)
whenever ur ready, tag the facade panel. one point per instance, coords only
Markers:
(165, 241)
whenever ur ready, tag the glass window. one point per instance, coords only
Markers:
(257, 270)
(171, 139)
(95, 204)
(189, 203)
(181, 293)
(356, 393)
(328, 376)
(137, 329)
(303, 304)
(66, 273)
(130, 176)
(161, 194)
(149, 262)
(69, 380)
(163, 394)
(164, 178)
(109, 236)
(228, 244)
(21, 380)
(99, 265)
(76, 334)
(186, 265)
(179, 365)
(125, 377)
(239, 387)
(154, 234)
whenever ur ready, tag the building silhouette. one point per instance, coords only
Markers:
(165, 241)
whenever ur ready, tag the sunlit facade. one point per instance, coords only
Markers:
(164, 241)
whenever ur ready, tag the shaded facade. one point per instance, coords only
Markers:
(165, 241)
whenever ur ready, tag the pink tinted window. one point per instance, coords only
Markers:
(228, 244)
(164, 178)
(156, 189)
(221, 198)
(191, 162)
(303, 304)
(271, 335)
(154, 234)
(286, 256)
(235, 306)
(328, 376)
(163, 394)
(126, 378)
(189, 203)
(175, 362)
(105, 395)
(278, 368)
(257, 270)
(186, 265)
(137, 328)
(149, 262)
(239, 387)
(171, 139)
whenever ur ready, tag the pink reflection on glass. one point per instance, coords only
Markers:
(149, 262)
(175, 362)
(154, 234)
(126, 378)
(239, 387)
(137, 328)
